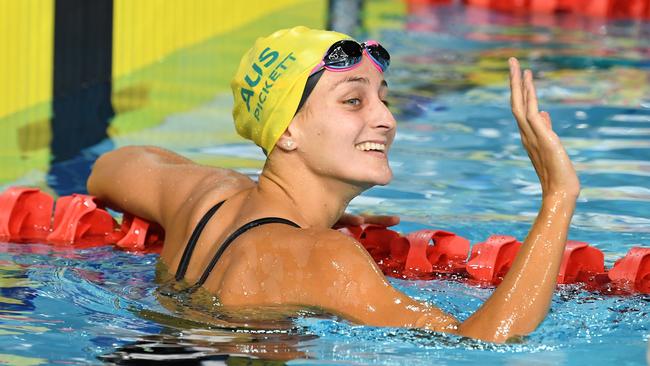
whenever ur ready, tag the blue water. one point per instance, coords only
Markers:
(458, 165)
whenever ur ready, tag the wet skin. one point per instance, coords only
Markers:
(330, 153)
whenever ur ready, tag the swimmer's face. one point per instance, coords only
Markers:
(345, 128)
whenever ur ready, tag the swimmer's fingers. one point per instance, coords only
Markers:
(547, 119)
(534, 120)
(533, 126)
(356, 220)
(349, 220)
(532, 110)
(540, 121)
(520, 110)
(547, 155)
(381, 220)
(517, 100)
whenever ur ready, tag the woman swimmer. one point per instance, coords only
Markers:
(281, 249)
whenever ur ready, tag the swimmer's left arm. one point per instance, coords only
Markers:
(523, 299)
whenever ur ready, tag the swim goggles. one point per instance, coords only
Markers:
(347, 54)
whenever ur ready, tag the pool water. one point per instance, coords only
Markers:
(458, 166)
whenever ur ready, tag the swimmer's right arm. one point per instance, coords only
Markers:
(153, 183)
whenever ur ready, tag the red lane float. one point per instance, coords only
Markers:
(25, 214)
(376, 239)
(633, 270)
(491, 260)
(78, 219)
(612, 9)
(428, 254)
(417, 255)
(81, 221)
(580, 263)
(447, 254)
(139, 234)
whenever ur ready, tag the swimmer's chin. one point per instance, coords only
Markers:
(384, 182)
(375, 182)
(387, 179)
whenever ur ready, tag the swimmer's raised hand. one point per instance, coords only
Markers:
(522, 300)
(550, 160)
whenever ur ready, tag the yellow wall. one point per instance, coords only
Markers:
(168, 56)
(26, 38)
(146, 30)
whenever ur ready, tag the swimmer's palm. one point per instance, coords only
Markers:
(550, 160)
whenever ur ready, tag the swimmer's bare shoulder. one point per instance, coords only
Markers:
(156, 184)
(316, 268)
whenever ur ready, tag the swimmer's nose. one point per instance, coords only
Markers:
(383, 118)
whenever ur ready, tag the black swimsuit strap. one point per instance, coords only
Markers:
(232, 237)
(191, 243)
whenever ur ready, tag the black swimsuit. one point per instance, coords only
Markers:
(194, 238)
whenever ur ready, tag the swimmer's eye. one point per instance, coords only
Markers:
(353, 101)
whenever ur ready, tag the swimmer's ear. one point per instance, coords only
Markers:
(286, 142)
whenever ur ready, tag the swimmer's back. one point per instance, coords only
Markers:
(211, 230)
(318, 268)
(177, 193)
(272, 264)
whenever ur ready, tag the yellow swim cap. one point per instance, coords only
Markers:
(271, 78)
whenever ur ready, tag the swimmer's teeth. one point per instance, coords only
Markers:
(367, 146)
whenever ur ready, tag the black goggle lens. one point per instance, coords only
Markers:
(380, 55)
(343, 54)
(347, 53)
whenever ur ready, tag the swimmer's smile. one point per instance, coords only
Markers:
(371, 147)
